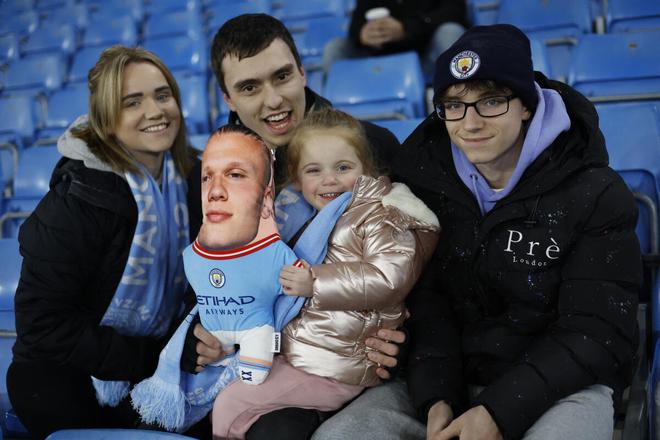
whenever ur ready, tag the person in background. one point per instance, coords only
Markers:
(524, 324)
(381, 27)
(102, 278)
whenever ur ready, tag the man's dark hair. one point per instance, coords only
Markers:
(242, 129)
(245, 36)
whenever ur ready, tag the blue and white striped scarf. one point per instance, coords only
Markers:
(150, 293)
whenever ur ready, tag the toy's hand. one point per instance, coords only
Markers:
(297, 281)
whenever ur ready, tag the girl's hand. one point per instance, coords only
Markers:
(297, 281)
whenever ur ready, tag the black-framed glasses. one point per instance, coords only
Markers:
(486, 107)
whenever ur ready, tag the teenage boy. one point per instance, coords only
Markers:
(524, 325)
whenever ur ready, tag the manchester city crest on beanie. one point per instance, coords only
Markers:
(500, 53)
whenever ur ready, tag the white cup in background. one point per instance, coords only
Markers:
(376, 13)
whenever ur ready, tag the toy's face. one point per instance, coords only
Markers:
(235, 194)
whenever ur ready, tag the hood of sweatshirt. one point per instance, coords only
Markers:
(70, 146)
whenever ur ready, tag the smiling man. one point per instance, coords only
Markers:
(263, 82)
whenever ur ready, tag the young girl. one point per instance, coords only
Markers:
(375, 254)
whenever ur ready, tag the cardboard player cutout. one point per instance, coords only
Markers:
(234, 264)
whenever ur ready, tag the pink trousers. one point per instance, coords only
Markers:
(239, 405)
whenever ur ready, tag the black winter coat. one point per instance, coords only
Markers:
(420, 18)
(535, 300)
(75, 246)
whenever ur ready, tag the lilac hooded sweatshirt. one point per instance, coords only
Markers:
(549, 120)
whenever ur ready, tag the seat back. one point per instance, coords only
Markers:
(194, 101)
(559, 24)
(303, 9)
(55, 37)
(632, 15)
(617, 67)
(181, 53)
(635, 154)
(106, 31)
(376, 88)
(36, 73)
(83, 60)
(180, 22)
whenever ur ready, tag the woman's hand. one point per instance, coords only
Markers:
(385, 343)
(297, 281)
(209, 349)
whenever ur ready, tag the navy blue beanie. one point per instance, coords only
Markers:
(499, 53)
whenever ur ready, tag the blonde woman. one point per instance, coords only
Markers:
(102, 278)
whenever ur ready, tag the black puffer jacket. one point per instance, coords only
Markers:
(75, 246)
(537, 299)
(420, 18)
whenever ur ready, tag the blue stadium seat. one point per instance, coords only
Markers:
(83, 61)
(558, 23)
(304, 9)
(75, 14)
(61, 108)
(31, 183)
(10, 270)
(315, 80)
(106, 31)
(635, 154)
(51, 37)
(114, 434)
(180, 22)
(312, 35)
(160, 6)
(22, 23)
(401, 129)
(483, 12)
(18, 120)
(617, 67)
(36, 73)
(181, 53)
(8, 48)
(16, 6)
(632, 15)
(540, 58)
(218, 13)
(376, 88)
(195, 101)
(107, 10)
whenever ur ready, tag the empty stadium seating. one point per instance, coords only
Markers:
(632, 15)
(385, 87)
(31, 183)
(617, 67)
(559, 24)
(34, 74)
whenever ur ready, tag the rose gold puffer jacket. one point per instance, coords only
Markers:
(376, 252)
